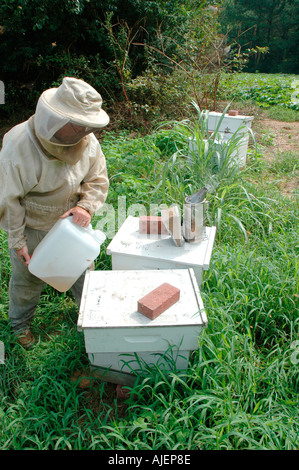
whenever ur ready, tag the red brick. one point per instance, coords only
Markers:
(122, 392)
(152, 224)
(158, 300)
(233, 112)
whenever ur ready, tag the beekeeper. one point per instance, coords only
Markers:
(51, 166)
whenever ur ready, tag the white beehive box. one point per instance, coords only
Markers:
(238, 155)
(117, 337)
(131, 250)
(228, 126)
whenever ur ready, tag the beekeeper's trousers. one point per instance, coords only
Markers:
(25, 288)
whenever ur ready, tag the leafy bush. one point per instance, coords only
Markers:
(265, 90)
(42, 41)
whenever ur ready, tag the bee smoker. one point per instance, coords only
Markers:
(194, 217)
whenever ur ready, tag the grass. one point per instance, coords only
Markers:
(285, 163)
(281, 113)
(241, 388)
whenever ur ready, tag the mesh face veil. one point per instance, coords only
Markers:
(71, 134)
(55, 128)
(47, 121)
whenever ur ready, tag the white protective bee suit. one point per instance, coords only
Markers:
(41, 178)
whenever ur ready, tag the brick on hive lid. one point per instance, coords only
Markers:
(233, 112)
(158, 300)
(152, 224)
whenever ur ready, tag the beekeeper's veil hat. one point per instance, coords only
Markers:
(73, 101)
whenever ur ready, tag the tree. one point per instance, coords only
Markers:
(270, 23)
(43, 40)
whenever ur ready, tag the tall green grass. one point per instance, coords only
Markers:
(241, 388)
(201, 158)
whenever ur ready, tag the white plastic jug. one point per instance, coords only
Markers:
(65, 253)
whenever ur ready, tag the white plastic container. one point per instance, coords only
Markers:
(65, 253)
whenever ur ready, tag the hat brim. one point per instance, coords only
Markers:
(94, 119)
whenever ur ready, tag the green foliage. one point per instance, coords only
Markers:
(42, 41)
(201, 159)
(265, 90)
(156, 97)
(285, 163)
(198, 54)
(272, 23)
(282, 113)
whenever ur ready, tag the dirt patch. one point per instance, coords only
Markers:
(284, 136)
(278, 138)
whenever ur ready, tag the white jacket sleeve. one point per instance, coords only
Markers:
(94, 187)
(12, 213)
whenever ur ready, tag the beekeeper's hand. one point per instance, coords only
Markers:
(23, 255)
(80, 216)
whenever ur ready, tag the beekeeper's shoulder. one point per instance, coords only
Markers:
(17, 143)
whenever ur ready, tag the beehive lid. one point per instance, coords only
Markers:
(229, 124)
(109, 299)
(129, 241)
(238, 117)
